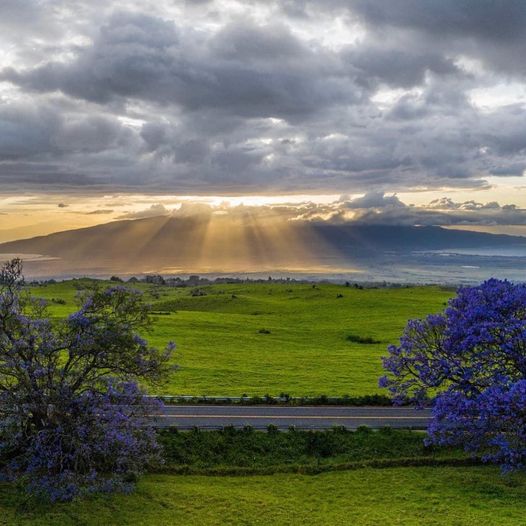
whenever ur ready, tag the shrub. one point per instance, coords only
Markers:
(72, 419)
(231, 448)
(366, 340)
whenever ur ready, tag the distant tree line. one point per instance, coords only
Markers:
(196, 280)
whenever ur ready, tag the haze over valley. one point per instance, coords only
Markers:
(251, 241)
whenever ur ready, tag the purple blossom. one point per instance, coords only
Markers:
(72, 419)
(472, 360)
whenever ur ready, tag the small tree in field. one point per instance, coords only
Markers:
(472, 360)
(72, 419)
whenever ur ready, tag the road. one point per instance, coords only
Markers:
(307, 417)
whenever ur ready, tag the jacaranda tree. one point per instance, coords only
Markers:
(472, 361)
(72, 418)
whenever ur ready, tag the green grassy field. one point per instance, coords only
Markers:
(304, 348)
(406, 496)
(313, 342)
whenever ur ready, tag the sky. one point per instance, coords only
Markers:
(370, 111)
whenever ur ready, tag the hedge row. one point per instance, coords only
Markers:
(232, 450)
(284, 399)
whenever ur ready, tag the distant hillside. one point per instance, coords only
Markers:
(216, 243)
(409, 238)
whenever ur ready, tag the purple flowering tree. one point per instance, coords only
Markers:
(72, 417)
(472, 361)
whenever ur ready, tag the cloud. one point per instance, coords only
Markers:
(153, 211)
(381, 209)
(260, 97)
(22, 15)
(446, 203)
(398, 65)
(459, 18)
(373, 208)
(102, 211)
(375, 200)
(490, 32)
(245, 69)
(28, 130)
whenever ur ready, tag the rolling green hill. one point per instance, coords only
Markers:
(273, 338)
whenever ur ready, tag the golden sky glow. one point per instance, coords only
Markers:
(29, 215)
(32, 215)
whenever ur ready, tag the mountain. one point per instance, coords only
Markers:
(219, 243)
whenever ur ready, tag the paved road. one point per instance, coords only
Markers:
(308, 417)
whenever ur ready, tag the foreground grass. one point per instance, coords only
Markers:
(275, 338)
(409, 496)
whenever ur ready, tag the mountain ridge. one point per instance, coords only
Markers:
(209, 242)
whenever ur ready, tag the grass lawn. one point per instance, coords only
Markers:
(304, 348)
(406, 496)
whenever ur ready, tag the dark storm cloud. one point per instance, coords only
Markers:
(251, 97)
(490, 30)
(28, 130)
(491, 19)
(397, 67)
(243, 69)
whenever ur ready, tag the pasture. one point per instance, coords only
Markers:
(422, 496)
(259, 338)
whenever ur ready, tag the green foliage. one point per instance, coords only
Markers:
(222, 353)
(282, 399)
(232, 448)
